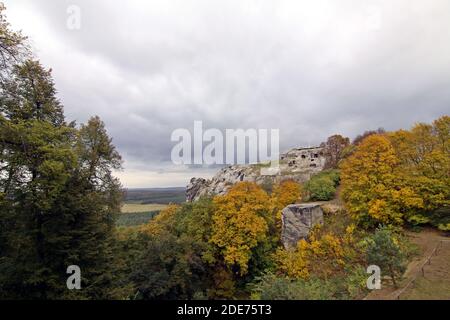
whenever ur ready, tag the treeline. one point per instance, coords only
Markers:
(161, 196)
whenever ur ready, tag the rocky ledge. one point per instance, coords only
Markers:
(297, 164)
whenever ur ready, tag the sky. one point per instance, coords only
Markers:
(308, 68)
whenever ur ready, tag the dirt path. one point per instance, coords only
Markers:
(437, 276)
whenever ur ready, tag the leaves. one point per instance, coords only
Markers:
(240, 223)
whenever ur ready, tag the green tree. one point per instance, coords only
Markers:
(384, 251)
(13, 47)
(57, 194)
(322, 186)
(177, 259)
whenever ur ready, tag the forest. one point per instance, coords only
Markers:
(59, 202)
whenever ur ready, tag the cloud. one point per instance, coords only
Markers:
(311, 69)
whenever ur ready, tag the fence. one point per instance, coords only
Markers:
(396, 295)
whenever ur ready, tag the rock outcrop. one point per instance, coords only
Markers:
(297, 221)
(297, 164)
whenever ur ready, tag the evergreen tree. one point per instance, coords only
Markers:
(58, 197)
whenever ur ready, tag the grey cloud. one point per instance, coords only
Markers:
(311, 69)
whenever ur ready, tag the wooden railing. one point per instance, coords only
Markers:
(396, 295)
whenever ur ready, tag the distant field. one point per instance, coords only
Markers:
(155, 195)
(139, 207)
(142, 205)
(135, 218)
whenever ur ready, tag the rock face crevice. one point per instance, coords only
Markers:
(298, 164)
(297, 222)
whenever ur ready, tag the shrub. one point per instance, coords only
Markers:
(322, 186)
(272, 287)
(441, 218)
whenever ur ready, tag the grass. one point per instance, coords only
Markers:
(435, 284)
(139, 207)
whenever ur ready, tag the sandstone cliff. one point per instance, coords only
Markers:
(297, 164)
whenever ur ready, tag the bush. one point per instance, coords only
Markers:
(441, 218)
(272, 287)
(322, 186)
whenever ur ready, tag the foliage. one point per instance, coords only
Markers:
(13, 47)
(283, 194)
(328, 251)
(361, 137)
(384, 251)
(371, 189)
(240, 222)
(333, 150)
(399, 176)
(322, 186)
(58, 199)
(272, 287)
(177, 250)
(440, 218)
(135, 218)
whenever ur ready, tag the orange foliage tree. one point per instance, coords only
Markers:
(284, 193)
(240, 222)
(372, 189)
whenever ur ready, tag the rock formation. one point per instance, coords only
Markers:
(297, 164)
(297, 221)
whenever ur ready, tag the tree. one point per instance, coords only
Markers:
(333, 148)
(371, 188)
(169, 268)
(92, 200)
(177, 259)
(361, 137)
(13, 47)
(424, 157)
(283, 194)
(322, 186)
(30, 94)
(384, 252)
(240, 223)
(58, 195)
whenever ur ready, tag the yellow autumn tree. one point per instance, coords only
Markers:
(240, 222)
(424, 155)
(164, 221)
(372, 188)
(322, 255)
(284, 193)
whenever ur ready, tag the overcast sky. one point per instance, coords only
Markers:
(309, 68)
